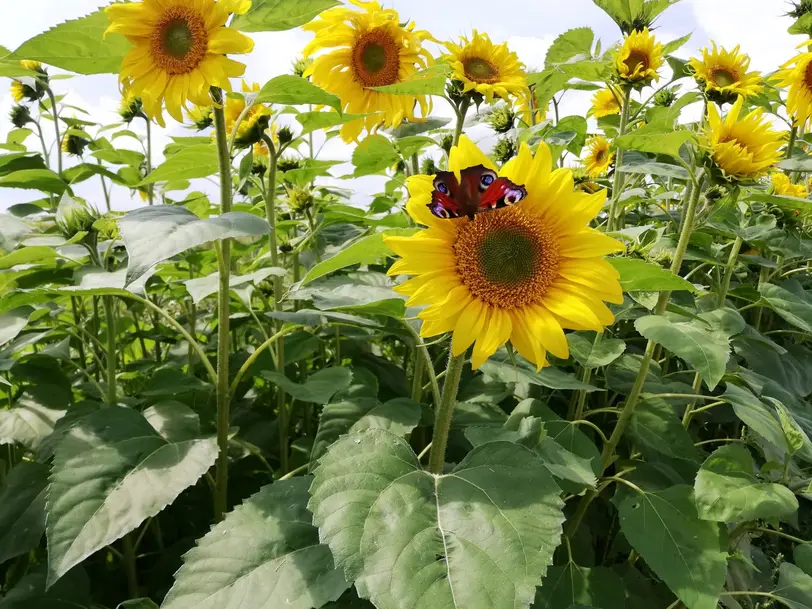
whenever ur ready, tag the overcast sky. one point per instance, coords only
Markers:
(528, 26)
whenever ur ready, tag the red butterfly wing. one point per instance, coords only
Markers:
(501, 193)
(444, 198)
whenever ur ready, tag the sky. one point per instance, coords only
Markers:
(528, 27)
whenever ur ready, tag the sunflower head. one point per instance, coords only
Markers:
(130, 108)
(492, 70)
(179, 51)
(288, 163)
(501, 119)
(300, 199)
(355, 50)
(202, 117)
(638, 59)
(521, 273)
(74, 216)
(723, 74)
(20, 116)
(30, 88)
(782, 185)
(74, 144)
(599, 156)
(606, 102)
(299, 66)
(255, 122)
(743, 148)
(796, 77)
(528, 108)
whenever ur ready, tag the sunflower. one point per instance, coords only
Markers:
(180, 50)
(639, 58)
(724, 75)
(253, 124)
(523, 108)
(599, 158)
(30, 88)
(605, 103)
(783, 186)
(743, 148)
(796, 75)
(17, 91)
(363, 49)
(202, 117)
(521, 273)
(130, 107)
(487, 68)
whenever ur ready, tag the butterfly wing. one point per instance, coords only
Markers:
(501, 193)
(445, 202)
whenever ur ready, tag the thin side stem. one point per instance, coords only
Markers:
(617, 185)
(443, 414)
(55, 116)
(223, 304)
(255, 355)
(151, 187)
(424, 352)
(129, 563)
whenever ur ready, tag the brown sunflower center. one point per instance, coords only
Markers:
(808, 76)
(376, 58)
(723, 77)
(600, 155)
(480, 70)
(180, 40)
(506, 258)
(637, 59)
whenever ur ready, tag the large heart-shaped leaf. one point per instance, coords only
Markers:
(727, 491)
(641, 276)
(478, 537)
(684, 551)
(112, 471)
(793, 304)
(336, 419)
(593, 354)
(295, 91)
(571, 584)
(22, 509)
(266, 553)
(707, 349)
(153, 234)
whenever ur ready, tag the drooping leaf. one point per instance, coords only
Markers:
(200, 288)
(30, 421)
(639, 275)
(295, 91)
(280, 15)
(153, 234)
(757, 415)
(264, 553)
(706, 349)
(34, 179)
(684, 551)
(444, 553)
(318, 388)
(570, 44)
(398, 416)
(22, 509)
(726, 489)
(188, 163)
(78, 45)
(794, 587)
(794, 304)
(336, 419)
(431, 81)
(13, 322)
(375, 153)
(111, 472)
(313, 121)
(656, 428)
(590, 354)
(655, 140)
(501, 367)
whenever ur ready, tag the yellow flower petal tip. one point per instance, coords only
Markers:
(724, 74)
(638, 58)
(519, 274)
(179, 51)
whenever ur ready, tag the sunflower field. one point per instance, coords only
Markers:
(551, 360)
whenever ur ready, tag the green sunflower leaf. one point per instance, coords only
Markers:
(444, 552)
(78, 45)
(295, 91)
(641, 276)
(280, 15)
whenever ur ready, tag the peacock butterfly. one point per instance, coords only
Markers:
(480, 189)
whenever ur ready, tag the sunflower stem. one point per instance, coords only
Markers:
(442, 419)
(618, 181)
(55, 116)
(278, 288)
(461, 112)
(731, 266)
(110, 318)
(150, 187)
(608, 454)
(587, 376)
(223, 304)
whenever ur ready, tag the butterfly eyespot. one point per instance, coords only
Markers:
(442, 188)
(513, 196)
(487, 179)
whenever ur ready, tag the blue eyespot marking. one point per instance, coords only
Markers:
(487, 179)
(441, 187)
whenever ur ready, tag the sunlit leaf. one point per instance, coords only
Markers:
(279, 15)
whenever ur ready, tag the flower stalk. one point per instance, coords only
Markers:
(445, 412)
(223, 304)
(617, 185)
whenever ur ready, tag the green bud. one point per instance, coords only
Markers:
(505, 149)
(300, 199)
(300, 64)
(287, 163)
(428, 167)
(285, 135)
(285, 247)
(107, 228)
(74, 216)
(74, 144)
(131, 108)
(665, 98)
(20, 116)
(501, 119)
(447, 142)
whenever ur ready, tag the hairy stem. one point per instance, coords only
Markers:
(461, 112)
(617, 185)
(55, 116)
(150, 187)
(110, 318)
(223, 303)
(444, 413)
